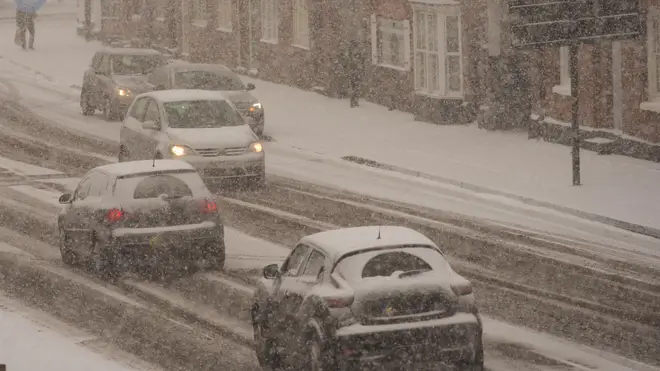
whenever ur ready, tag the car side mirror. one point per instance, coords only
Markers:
(149, 125)
(250, 86)
(66, 198)
(271, 271)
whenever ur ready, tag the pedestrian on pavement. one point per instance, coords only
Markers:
(355, 71)
(26, 12)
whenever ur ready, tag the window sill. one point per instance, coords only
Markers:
(562, 90)
(300, 47)
(439, 97)
(160, 19)
(653, 106)
(200, 23)
(267, 41)
(393, 67)
(224, 29)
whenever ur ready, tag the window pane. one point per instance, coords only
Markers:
(453, 77)
(432, 32)
(420, 27)
(657, 73)
(395, 45)
(453, 42)
(420, 70)
(434, 73)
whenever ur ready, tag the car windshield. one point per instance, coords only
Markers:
(201, 114)
(385, 263)
(172, 185)
(206, 80)
(134, 64)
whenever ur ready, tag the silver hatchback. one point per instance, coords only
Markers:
(200, 127)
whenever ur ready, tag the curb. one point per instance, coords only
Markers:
(127, 324)
(631, 227)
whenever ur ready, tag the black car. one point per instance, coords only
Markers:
(141, 213)
(184, 75)
(115, 77)
(366, 298)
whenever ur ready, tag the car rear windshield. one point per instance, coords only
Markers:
(173, 185)
(135, 64)
(384, 263)
(202, 114)
(206, 80)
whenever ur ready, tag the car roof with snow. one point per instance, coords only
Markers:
(132, 51)
(144, 167)
(347, 240)
(178, 95)
(187, 66)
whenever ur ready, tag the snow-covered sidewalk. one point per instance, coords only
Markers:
(484, 163)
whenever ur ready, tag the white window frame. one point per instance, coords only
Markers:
(381, 32)
(441, 9)
(301, 37)
(269, 21)
(200, 13)
(564, 87)
(225, 15)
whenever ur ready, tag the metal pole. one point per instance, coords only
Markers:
(575, 106)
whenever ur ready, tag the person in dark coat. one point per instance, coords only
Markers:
(26, 12)
(355, 59)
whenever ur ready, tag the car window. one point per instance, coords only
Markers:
(98, 185)
(105, 66)
(96, 61)
(202, 114)
(384, 263)
(153, 113)
(207, 80)
(131, 65)
(83, 188)
(293, 264)
(179, 184)
(314, 264)
(139, 109)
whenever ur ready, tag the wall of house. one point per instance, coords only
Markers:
(637, 122)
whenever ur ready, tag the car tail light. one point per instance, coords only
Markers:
(462, 289)
(339, 301)
(114, 215)
(209, 207)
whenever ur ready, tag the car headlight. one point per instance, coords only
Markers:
(255, 107)
(179, 150)
(123, 92)
(256, 147)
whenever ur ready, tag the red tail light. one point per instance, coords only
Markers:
(209, 207)
(339, 302)
(114, 215)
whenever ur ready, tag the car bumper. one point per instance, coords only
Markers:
(227, 167)
(417, 345)
(183, 242)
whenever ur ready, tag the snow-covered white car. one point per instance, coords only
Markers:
(378, 296)
(138, 213)
(201, 127)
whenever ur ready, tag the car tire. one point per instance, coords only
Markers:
(69, 257)
(104, 263)
(109, 110)
(266, 354)
(123, 154)
(86, 108)
(475, 364)
(216, 257)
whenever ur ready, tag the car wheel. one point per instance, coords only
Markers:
(266, 354)
(86, 108)
(109, 110)
(123, 154)
(103, 262)
(475, 364)
(69, 257)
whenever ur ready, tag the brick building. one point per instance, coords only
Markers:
(438, 59)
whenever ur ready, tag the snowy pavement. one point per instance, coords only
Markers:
(32, 340)
(312, 132)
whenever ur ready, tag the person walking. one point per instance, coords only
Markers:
(355, 71)
(26, 12)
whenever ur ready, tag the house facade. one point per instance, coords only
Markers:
(440, 60)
